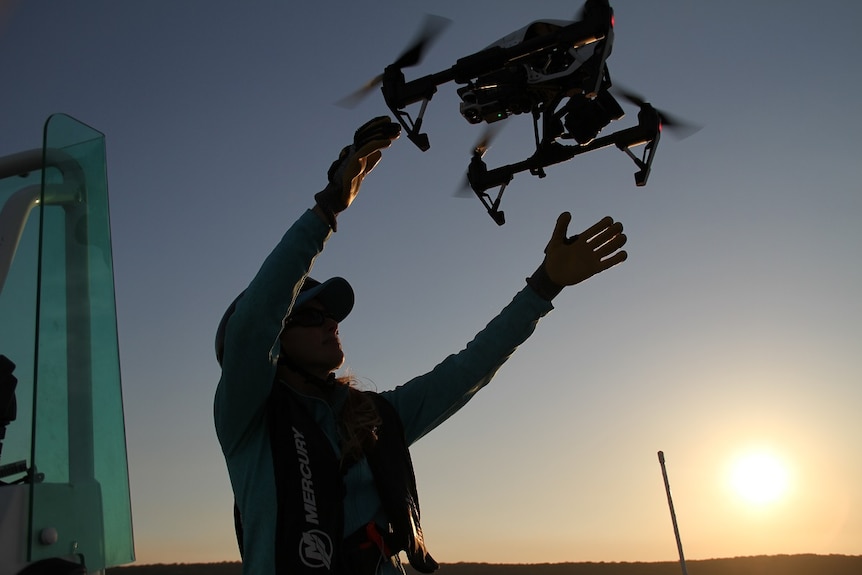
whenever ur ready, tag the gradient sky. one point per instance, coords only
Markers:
(734, 325)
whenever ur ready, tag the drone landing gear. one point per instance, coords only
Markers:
(477, 178)
(493, 208)
(644, 163)
(412, 127)
(398, 95)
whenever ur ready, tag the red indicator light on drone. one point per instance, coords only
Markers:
(613, 20)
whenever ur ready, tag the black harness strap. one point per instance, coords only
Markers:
(392, 467)
(310, 493)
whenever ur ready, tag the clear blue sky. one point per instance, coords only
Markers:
(734, 326)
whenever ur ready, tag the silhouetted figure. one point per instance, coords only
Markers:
(321, 471)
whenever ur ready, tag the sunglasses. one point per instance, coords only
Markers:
(308, 317)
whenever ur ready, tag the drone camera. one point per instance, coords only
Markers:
(585, 118)
(478, 113)
(491, 102)
(487, 114)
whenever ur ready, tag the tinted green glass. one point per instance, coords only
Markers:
(79, 442)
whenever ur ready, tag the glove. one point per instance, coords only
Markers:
(569, 261)
(354, 163)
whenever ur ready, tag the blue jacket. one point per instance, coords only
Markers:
(248, 371)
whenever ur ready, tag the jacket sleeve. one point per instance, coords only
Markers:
(428, 400)
(252, 330)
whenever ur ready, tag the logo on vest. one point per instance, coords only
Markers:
(315, 549)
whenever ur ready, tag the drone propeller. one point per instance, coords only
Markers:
(431, 29)
(482, 145)
(681, 128)
(488, 136)
(353, 100)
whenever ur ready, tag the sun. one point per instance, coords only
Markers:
(759, 477)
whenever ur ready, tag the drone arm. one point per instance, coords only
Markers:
(555, 153)
(482, 179)
(546, 155)
(399, 94)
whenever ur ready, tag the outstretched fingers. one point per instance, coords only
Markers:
(599, 227)
(609, 262)
(375, 134)
(373, 146)
(605, 239)
(571, 260)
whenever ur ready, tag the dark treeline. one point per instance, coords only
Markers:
(760, 565)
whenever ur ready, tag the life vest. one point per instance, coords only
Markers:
(310, 492)
(392, 468)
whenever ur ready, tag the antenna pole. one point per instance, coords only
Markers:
(672, 513)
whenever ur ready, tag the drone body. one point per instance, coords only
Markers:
(554, 70)
(536, 80)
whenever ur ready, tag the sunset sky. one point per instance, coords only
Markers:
(730, 339)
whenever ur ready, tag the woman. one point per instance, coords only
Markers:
(321, 472)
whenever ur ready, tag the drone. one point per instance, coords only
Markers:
(554, 70)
